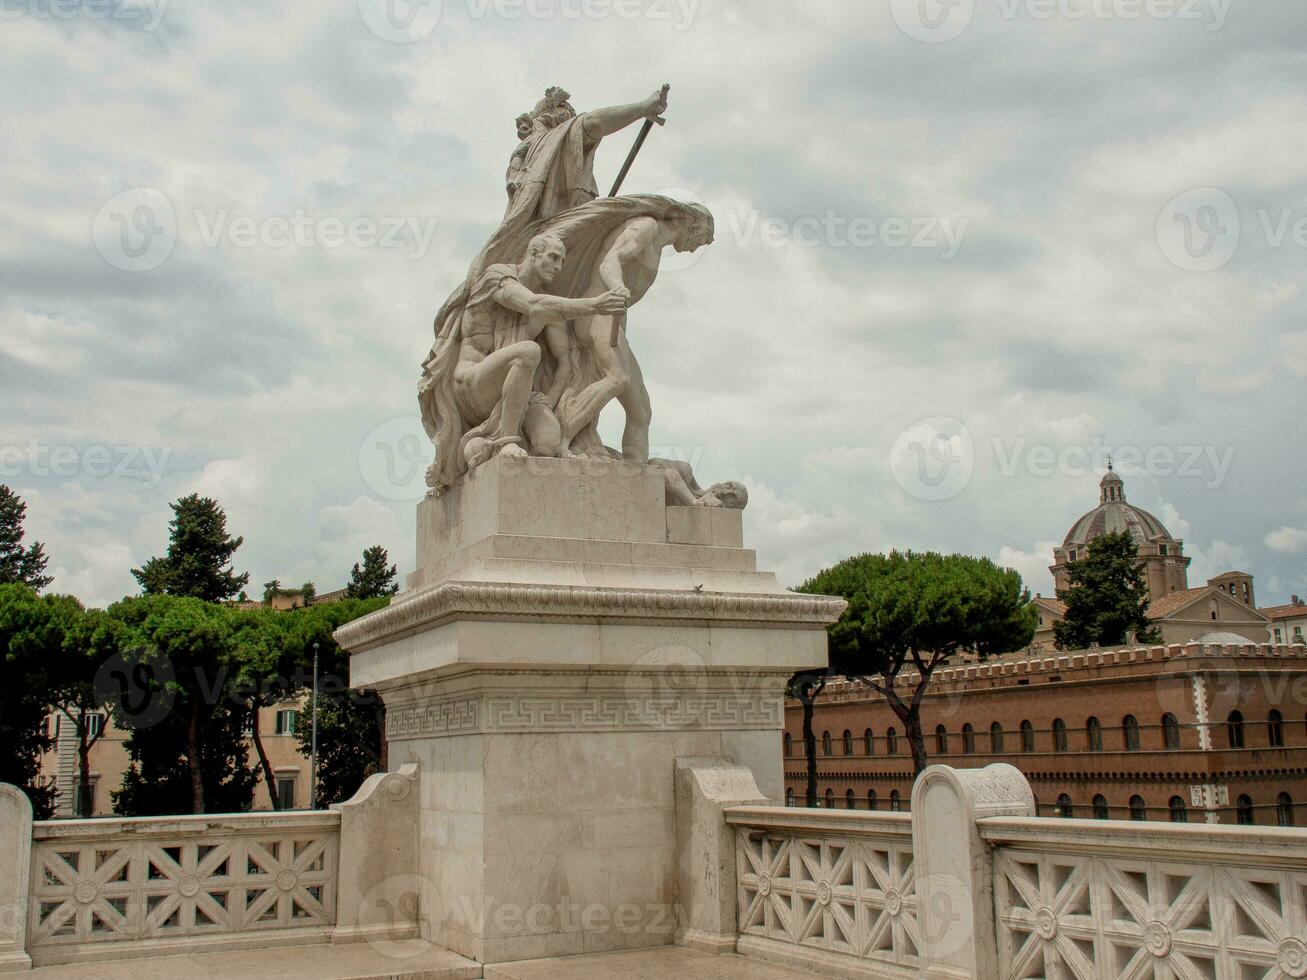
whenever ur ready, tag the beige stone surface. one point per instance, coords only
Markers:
(563, 642)
(15, 864)
(409, 960)
(377, 892)
(649, 964)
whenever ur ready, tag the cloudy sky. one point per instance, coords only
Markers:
(962, 252)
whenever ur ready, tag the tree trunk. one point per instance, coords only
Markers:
(193, 760)
(916, 739)
(808, 690)
(264, 764)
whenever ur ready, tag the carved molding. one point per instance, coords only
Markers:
(601, 711)
(435, 606)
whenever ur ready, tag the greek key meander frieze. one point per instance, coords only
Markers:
(124, 890)
(1099, 918)
(841, 895)
(444, 601)
(604, 712)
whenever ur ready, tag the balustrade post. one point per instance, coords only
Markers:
(15, 877)
(380, 893)
(954, 866)
(706, 896)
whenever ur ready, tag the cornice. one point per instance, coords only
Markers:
(513, 601)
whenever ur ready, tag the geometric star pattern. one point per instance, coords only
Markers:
(1082, 917)
(111, 890)
(847, 895)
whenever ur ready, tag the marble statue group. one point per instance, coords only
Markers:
(533, 344)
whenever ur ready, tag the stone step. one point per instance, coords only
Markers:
(664, 963)
(408, 960)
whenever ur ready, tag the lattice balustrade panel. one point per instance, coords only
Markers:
(1081, 917)
(112, 890)
(844, 895)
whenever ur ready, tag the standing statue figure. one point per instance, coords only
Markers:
(552, 171)
(632, 254)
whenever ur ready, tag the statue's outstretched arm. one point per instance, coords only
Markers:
(599, 123)
(555, 309)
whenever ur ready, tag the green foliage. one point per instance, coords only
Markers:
(187, 744)
(374, 579)
(1108, 597)
(919, 609)
(351, 725)
(29, 631)
(198, 560)
(271, 590)
(25, 566)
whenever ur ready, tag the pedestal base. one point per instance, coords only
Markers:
(546, 673)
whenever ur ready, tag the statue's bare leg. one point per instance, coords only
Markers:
(504, 376)
(587, 405)
(543, 433)
(634, 399)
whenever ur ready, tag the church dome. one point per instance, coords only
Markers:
(1113, 515)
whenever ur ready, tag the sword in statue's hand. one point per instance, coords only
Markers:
(619, 322)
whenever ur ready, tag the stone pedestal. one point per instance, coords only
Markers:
(566, 638)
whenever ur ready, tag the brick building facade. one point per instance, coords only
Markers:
(1196, 733)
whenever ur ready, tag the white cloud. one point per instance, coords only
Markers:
(1059, 322)
(1287, 540)
(1033, 565)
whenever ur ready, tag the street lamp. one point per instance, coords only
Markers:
(313, 745)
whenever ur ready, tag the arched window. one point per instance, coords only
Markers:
(1171, 731)
(1065, 808)
(1138, 808)
(1059, 735)
(891, 742)
(1284, 810)
(1100, 807)
(1179, 813)
(968, 739)
(849, 800)
(868, 743)
(1094, 732)
(1130, 731)
(1243, 809)
(789, 744)
(941, 740)
(1275, 730)
(1234, 729)
(830, 799)
(789, 797)
(826, 744)
(895, 801)
(872, 801)
(848, 742)
(996, 738)
(1027, 737)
